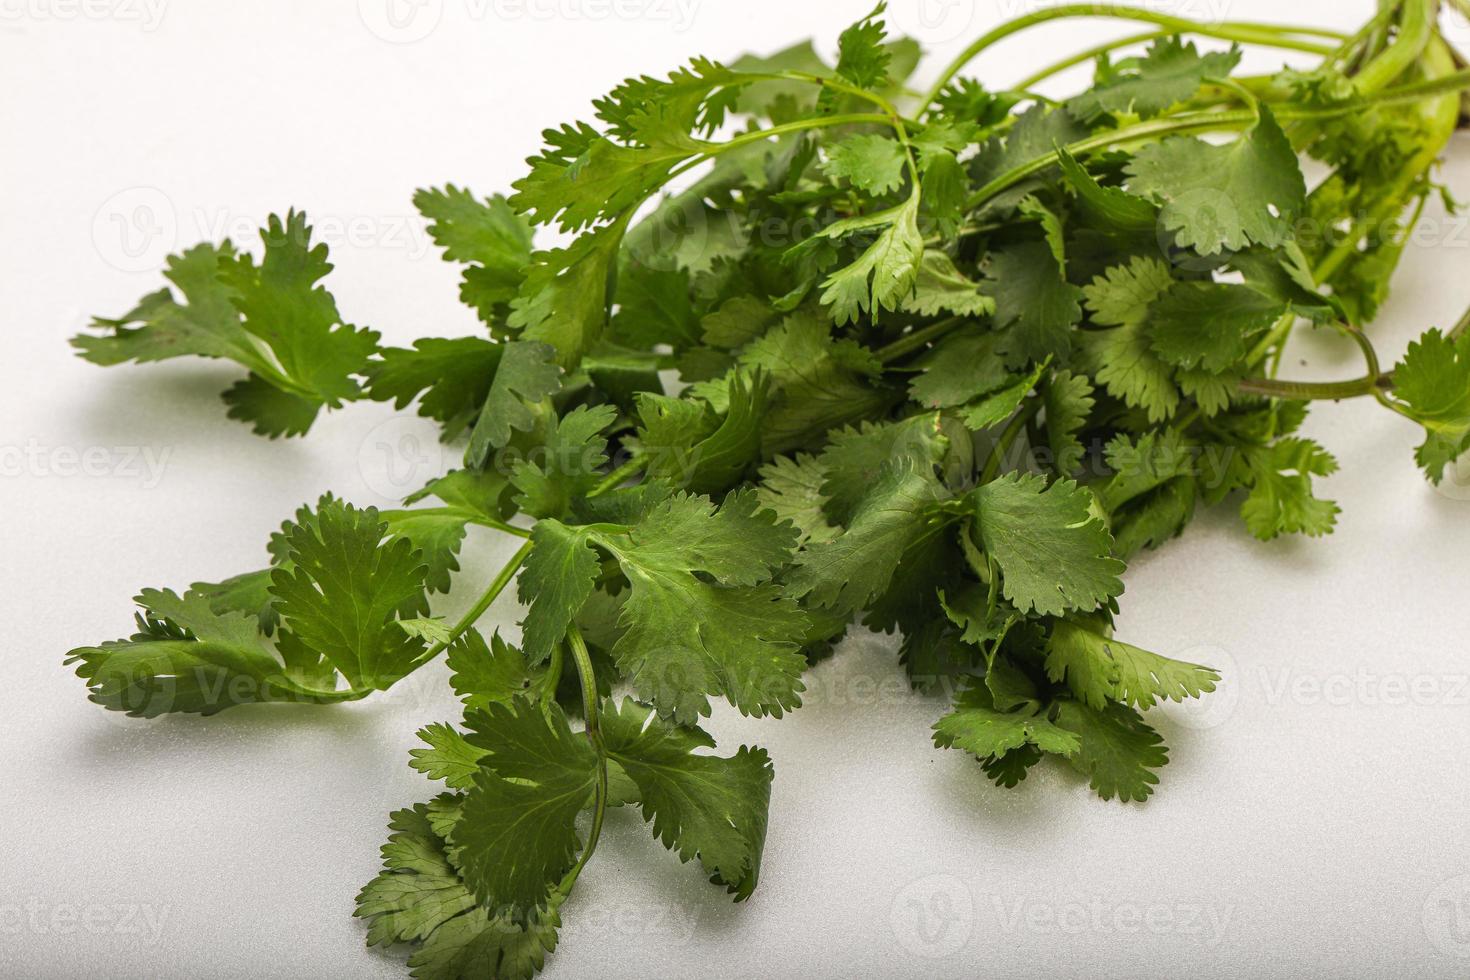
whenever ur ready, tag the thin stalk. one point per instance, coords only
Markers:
(1246, 33)
(588, 679)
(1207, 122)
(911, 342)
(469, 518)
(1007, 437)
(492, 592)
(1129, 41)
(617, 476)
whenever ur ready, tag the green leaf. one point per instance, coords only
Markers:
(727, 633)
(452, 375)
(845, 574)
(567, 465)
(976, 726)
(564, 299)
(862, 57)
(873, 163)
(420, 898)
(698, 804)
(517, 835)
(1099, 669)
(1434, 381)
(525, 376)
(695, 447)
(1053, 553)
(959, 368)
(282, 305)
(449, 757)
(483, 674)
(884, 275)
(1122, 359)
(1209, 324)
(187, 657)
(940, 288)
(556, 580)
(1067, 401)
(1118, 751)
(487, 237)
(1033, 300)
(1281, 499)
(1215, 197)
(205, 324)
(818, 383)
(1110, 208)
(791, 488)
(344, 588)
(1172, 71)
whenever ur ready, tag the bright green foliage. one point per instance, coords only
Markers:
(698, 804)
(1434, 381)
(804, 352)
(517, 834)
(488, 237)
(1246, 192)
(270, 317)
(1170, 72)
(1054, 553)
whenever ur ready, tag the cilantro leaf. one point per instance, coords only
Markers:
(344, 588)
(1054, 555)
(1245, 192)
(1434, 381)
(517, 835)
(564, 298)
(873, 163)
(1170, 72)
(698, 804)
(1116, 749)
(487, 236)
(848, 572)
(1033, 300)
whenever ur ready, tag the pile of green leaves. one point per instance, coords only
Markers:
(816, 351)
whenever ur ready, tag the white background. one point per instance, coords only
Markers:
(1312, 821)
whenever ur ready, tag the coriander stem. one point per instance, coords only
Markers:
(617, 476)
(1007, 437)
(1211, 121)
(583, 660)
(470, 518)
(492, 592)
(1140, 38)
(1247, 33)
(913, 341)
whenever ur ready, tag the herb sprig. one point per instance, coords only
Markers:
(818, 350)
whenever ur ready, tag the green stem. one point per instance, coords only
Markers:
(1207, 122)
(911, 342)
(1246, 33)
(1007, 437)
(617, 476)
(492, 592)
(469, 517)
(583, 660)
(1141, 38)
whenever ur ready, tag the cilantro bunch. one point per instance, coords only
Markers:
(817, 350)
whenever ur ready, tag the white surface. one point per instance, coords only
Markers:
(1300, 830)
